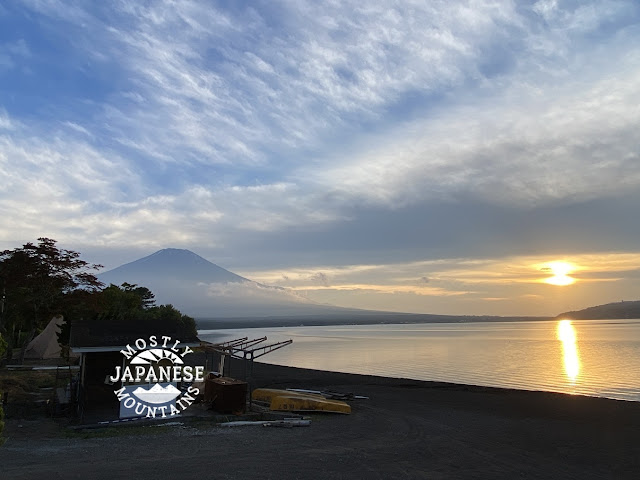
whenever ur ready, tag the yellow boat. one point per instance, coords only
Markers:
(284, 400)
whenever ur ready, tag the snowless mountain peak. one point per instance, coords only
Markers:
(201, 288)
(171, 262)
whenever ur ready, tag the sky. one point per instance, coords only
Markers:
(419, 156)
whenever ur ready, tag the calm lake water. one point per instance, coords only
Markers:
(588, 357)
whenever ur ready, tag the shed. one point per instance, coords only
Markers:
(100, 345)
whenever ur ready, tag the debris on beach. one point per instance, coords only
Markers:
(329, 394)
(286, 423)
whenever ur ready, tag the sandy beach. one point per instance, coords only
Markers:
(406, 429)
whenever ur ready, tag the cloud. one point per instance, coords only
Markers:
(387, 289)
(498, 286)
(563, 148)
(321, 278)
(78, 128)
(250, 292)
(234, 83)
(57, 185)
(456, 275)
(5, 122)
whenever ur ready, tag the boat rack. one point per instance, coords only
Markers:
(241, 349)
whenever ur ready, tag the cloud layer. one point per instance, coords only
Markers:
(281, 134)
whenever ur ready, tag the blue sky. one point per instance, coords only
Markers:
(417, 156)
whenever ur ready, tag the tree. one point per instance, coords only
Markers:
(36, 281)
(40, 281)
(129, 304)
(146, 296)
(122, 308)
(167, 316)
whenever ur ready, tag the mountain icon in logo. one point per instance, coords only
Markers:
(157, 394)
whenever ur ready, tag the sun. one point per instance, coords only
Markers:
(560, 271)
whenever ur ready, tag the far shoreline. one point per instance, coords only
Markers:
(372, 318)
(624, 310)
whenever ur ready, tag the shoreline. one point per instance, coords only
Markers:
(405, 429)
(374, 318)
(434, 384)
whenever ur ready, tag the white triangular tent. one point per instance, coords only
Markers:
(46, 344)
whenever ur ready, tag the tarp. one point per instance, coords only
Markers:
(46, 344)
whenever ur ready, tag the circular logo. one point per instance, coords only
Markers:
(151, 377)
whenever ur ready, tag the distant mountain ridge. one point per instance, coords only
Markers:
(217, 296)
(201, 288)
(624, 309)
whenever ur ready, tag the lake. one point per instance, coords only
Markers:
(588, 357)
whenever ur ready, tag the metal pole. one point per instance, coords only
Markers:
(250, 380)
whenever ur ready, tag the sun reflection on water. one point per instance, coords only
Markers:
(566, 333)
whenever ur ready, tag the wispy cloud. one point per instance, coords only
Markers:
(536, 149)
(498, 271)
(386, 289)
(5, 122)
(227, 85)
(469, 280)
(250, 291)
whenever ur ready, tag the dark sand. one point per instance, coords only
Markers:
(406, 429)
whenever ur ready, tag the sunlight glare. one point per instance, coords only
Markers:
(566, 333)
(560, 271)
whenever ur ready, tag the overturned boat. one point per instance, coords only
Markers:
(290, 401)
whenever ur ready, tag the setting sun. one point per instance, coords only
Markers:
(560, 271)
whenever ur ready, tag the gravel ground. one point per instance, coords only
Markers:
(406, 429)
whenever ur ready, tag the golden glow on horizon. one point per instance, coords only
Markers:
(560, 271)
(566, 333)
(539, 285)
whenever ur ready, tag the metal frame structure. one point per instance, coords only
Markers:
(242, 349)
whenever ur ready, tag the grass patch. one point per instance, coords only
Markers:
(21, 385)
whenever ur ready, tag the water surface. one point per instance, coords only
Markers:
(588, 357)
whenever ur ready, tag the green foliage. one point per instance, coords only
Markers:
(124, 305)
(131, 303)
(125, 302)
(168, 317)
(146, 297)
(36, 281)
(40, 281)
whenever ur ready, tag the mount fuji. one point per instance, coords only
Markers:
(202, 289)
